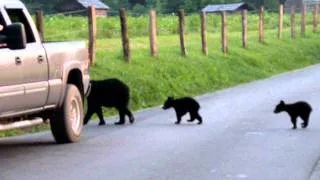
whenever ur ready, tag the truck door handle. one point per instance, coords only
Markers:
(18, 61)
(40, 59)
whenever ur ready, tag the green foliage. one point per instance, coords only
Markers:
(15, 132)
(116, 4)
(139, 10)
(153, 79)
(76, 27)
(162, 6)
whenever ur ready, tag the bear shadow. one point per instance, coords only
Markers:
(182, 124)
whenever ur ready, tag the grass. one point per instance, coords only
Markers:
(71, 27)
(33, 129)
(152, 79)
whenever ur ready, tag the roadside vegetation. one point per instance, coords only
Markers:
(152, 79)
(59, 27)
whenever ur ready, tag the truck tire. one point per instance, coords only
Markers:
(67, 121)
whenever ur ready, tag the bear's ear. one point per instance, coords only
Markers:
(170, 98)
(281, 102)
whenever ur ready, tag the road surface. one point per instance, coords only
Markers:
(241, 138)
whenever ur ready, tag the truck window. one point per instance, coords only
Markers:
(17, 15)
(2, 37)
(2, 22)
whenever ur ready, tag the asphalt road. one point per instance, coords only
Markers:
(241, 138)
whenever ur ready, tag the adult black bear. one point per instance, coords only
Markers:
(299, 109)
(108, 93)
(182, 106)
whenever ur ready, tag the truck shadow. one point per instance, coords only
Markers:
(11, 148)
(23, 144)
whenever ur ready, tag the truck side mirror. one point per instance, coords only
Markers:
(15, 36)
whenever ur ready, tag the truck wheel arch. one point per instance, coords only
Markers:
(72, 75)
(75, 78)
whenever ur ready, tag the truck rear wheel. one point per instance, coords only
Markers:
(67, 121)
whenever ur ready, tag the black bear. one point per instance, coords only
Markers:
(182, 106)
(299, 109)
(108, 93)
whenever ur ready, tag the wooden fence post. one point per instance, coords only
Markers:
(261, 24)
(224, 32)
(92, 34)
(280, 28)
(153, 33)
(182, 32)
(124, 35)
(39, 23)
(204, 33)
(303, 19)
(244, 14)
(315, 18)
(293, 22)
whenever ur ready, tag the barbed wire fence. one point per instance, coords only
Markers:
(87, 29)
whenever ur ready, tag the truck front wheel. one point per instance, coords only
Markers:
(67, 121)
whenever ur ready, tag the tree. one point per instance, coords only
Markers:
(188, 6)
(268, 4)
(139, 9)
(117, 4)
(162, 6)
(272, 4)
(159, 5)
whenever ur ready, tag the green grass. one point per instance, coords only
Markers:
(71, 28)
(34, 129)
(152, 79)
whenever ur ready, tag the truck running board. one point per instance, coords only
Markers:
(21, 124)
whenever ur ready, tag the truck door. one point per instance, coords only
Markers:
(11, 78)
(33, 62)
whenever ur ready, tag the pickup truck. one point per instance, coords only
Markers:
(40, 81)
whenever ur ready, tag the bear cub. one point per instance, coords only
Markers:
(182, 106)
(299, 109)
(108, 93)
